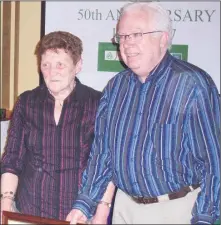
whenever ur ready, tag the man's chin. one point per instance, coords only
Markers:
(133, 66)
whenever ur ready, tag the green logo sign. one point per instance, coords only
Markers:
(180, 51)
(109, 56)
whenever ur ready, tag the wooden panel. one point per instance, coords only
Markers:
(16, 53)
(29, 35)
(1, 54)
(6, 42)
(18, 218)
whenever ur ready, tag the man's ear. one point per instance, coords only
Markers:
(164, 41)
(79, 66)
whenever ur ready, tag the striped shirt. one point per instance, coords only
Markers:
(156, 137)
(49, 159)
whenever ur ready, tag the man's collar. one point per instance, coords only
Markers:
(159, 69)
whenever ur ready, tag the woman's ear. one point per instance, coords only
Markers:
(79, 66)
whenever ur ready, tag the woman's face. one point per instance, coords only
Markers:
(59, 71)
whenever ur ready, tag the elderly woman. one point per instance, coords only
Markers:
(50, 134)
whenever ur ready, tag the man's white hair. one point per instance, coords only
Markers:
(161, 19)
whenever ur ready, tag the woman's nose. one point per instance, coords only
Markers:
(53, 71)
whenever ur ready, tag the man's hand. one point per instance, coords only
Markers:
(76, 216)
(101, 214)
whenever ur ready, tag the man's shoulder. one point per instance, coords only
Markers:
(191, 72)
(187, 67)
(89, 92)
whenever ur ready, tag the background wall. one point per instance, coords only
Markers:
(20, 32)
(196, 25)
(196, 32)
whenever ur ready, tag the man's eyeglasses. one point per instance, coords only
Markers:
(120, 38)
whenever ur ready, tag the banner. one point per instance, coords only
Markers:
(196, 28)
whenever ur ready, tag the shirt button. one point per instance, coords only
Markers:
(40, 169)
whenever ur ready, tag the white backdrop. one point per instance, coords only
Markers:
(196, 24)
(4, 128)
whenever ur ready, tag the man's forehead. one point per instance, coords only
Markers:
(134, 23)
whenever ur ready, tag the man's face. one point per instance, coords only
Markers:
(143, 55)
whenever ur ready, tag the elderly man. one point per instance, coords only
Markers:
(157, 132)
